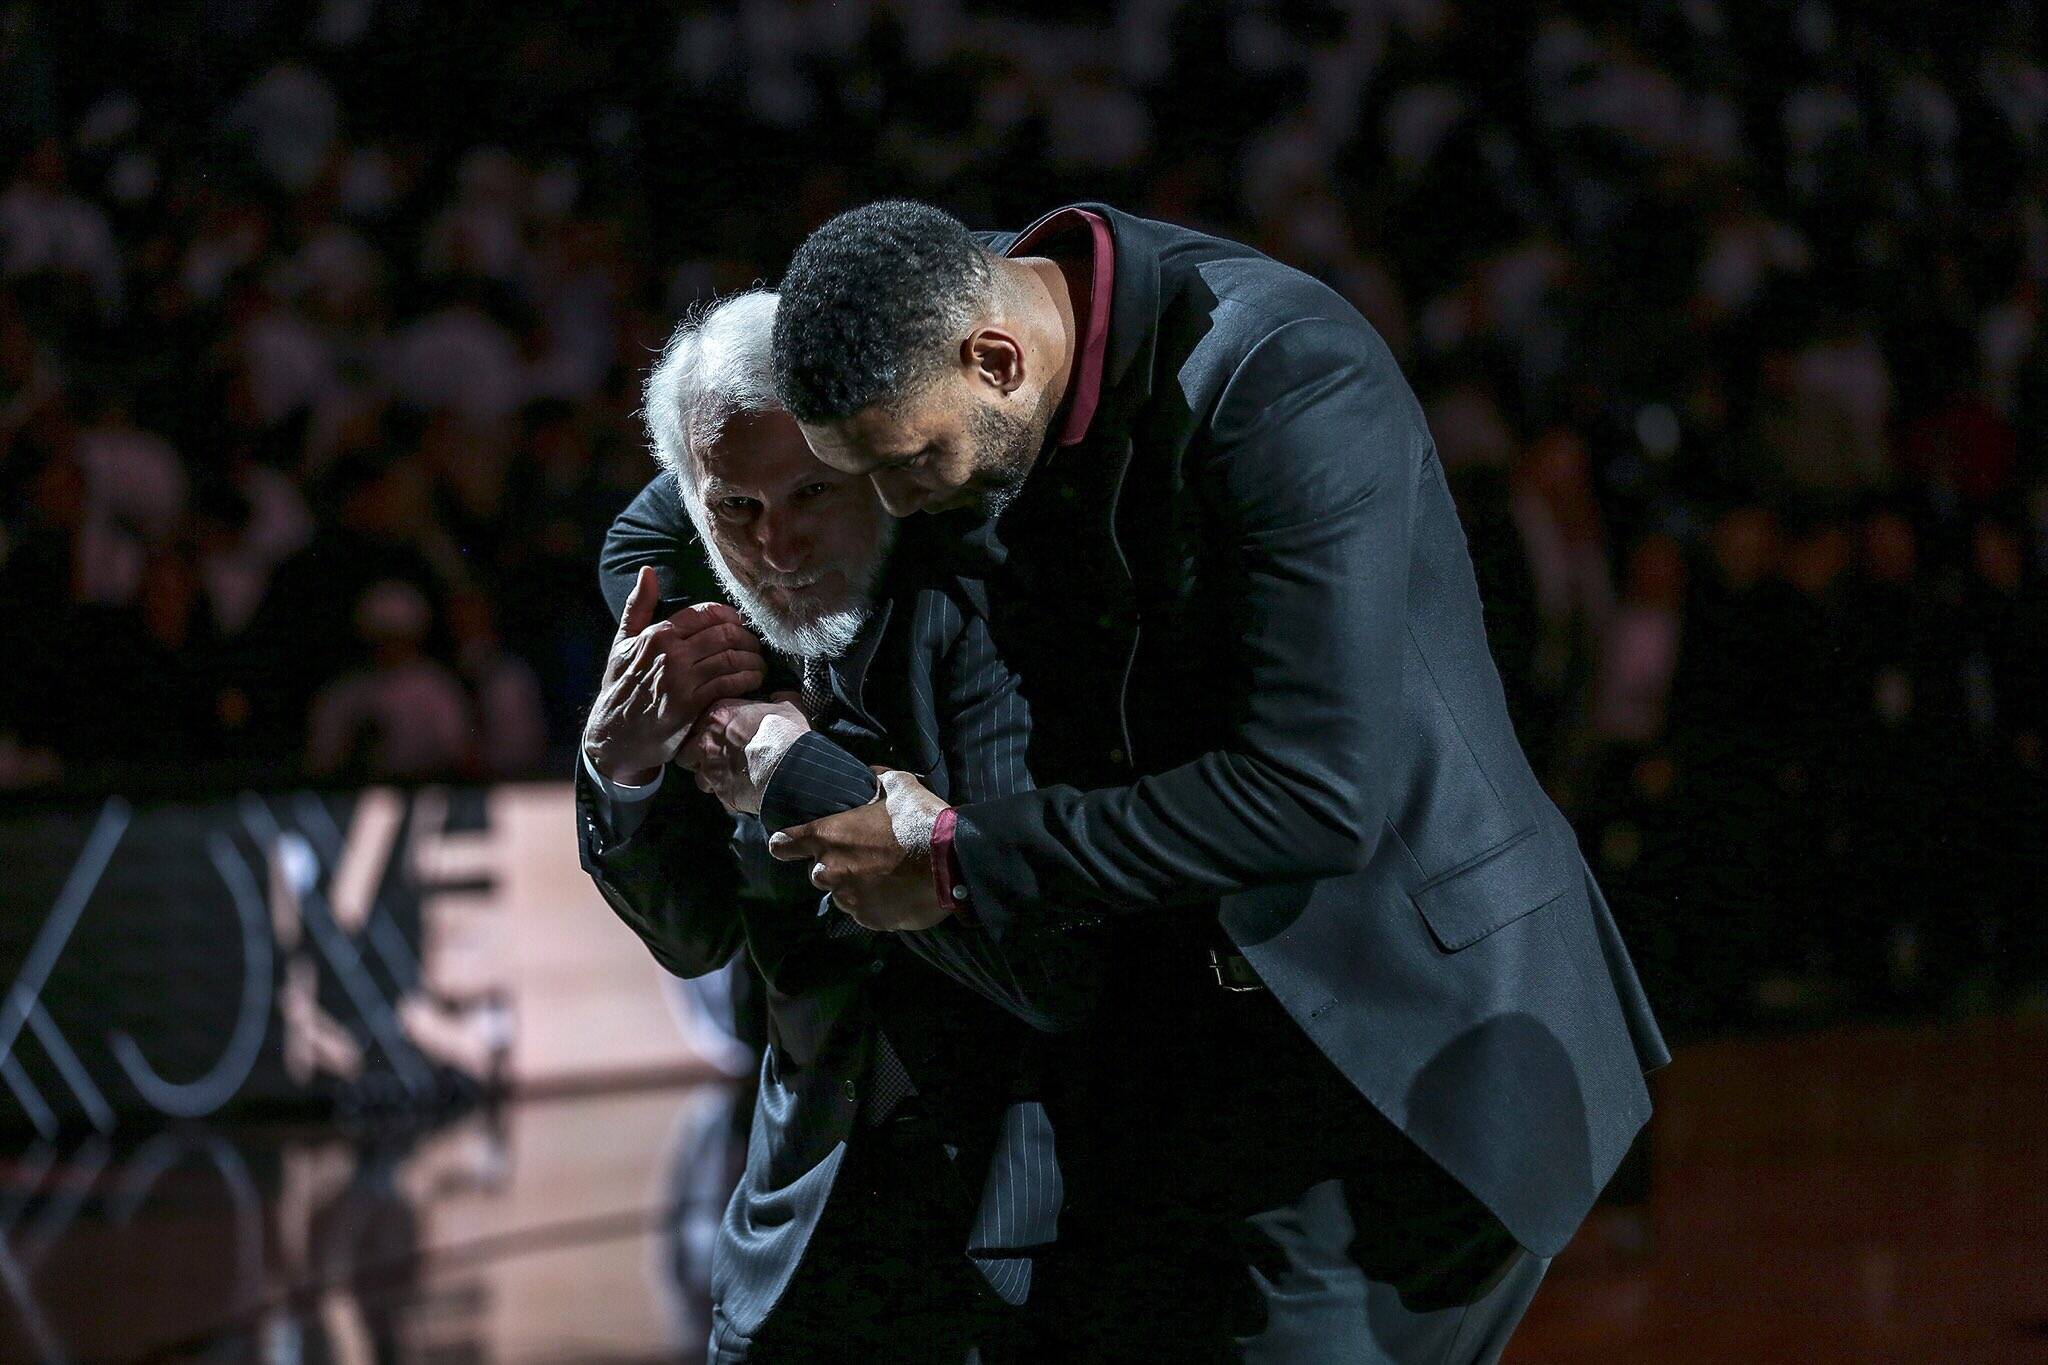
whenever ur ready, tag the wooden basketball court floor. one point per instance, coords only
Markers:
(1858, 1195)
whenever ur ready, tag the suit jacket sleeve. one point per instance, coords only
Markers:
(1308, 472)
(674, 880)
(1049, 985)
(654, 529)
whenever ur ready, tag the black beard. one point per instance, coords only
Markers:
(1004, 447)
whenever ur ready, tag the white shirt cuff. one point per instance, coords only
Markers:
(625, 806)
(623, 791)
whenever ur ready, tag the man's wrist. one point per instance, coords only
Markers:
(946, 879)
(605, 768)
(771, 743)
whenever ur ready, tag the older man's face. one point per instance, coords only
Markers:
(797, 543)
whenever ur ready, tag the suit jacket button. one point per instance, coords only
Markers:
(851, 1092)
(1116, 755)
(876, 966)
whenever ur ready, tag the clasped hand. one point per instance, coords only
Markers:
(679, 684)
(737, 745)
(875, 860)
(661, 677)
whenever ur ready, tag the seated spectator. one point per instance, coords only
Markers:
(376, 525)
(246, 523)
(402, 716)
(1893, 623)
(163, 689)
(55, 236)
(2004, 619)
(1893, 880)
(511, 729)
(1828, 413)
(1964, 445)
(135, 498)
(1556, 509)
(45, 521)
(1639, 652)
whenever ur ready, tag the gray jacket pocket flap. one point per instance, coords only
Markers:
(1522, 875)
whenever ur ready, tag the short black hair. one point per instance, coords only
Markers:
(871, 306)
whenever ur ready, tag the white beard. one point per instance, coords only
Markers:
(822, 637)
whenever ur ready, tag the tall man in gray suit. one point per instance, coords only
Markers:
(1374, 1044)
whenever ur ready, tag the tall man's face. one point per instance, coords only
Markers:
(958, 441)
(796, 544)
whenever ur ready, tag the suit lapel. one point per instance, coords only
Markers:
(890, 726)
(847, 676)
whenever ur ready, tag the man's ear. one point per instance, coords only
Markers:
(995, 358)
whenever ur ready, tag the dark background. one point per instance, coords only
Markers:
(322, 324)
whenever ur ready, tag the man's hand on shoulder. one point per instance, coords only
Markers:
(661, 677)
(875, 860)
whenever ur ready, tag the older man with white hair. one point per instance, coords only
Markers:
(804, 580)
(902, 1173)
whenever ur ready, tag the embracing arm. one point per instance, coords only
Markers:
(1048, 980)
(655, 531)
(1317, 445)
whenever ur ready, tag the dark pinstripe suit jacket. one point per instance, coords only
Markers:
(696, 886)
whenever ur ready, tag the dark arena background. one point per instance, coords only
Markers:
(322, 326)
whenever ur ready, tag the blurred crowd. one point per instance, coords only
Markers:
(322, 324)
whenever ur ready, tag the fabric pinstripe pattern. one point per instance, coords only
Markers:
(987, 733)
(1049, 976)
(1020, 1201)
(696, 888)
(983, 725)
(816, 778)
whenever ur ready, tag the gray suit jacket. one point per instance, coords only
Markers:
(1311, 739)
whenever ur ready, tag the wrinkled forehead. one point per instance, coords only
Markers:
(758, 452)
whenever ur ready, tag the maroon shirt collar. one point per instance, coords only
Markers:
(1091, 313)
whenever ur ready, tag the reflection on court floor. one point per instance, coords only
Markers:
(570, 1230)
(1851, 1196)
